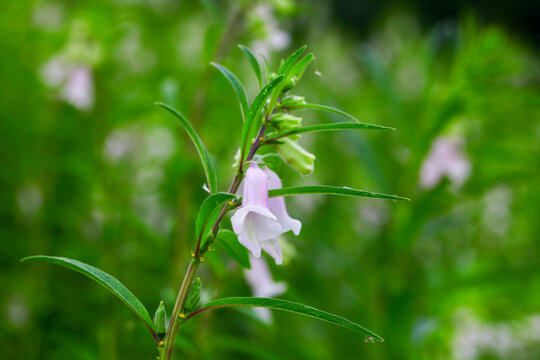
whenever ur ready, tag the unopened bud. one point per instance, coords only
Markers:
(194, 296)
(296, 156)
(286, 121)
(293, 102)
(160, 319)
(290, 84)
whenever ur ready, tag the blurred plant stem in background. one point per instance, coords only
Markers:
(112, 182)
(218, 43)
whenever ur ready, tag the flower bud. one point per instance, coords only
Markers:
(194, 296)
(296, 156)
(290, 84)
(293, 102)
(286, 121)
(160, 319)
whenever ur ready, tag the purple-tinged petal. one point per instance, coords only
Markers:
(255, 187)
(273, 249)
(277, 205)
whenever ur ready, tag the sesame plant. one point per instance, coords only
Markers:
(270, 133)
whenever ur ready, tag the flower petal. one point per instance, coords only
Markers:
(273, 249)
(255, 187)
(254, 225)
(277, 205)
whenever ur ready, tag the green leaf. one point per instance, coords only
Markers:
(265, 67)
(253, 62)
(328, 127)
(107, 281)
(236, 251)
(237, 86)
(278, 304)
(209, 169)
(329, 190)
(300, 67)
(210, 209)
(212, 35)
(328, 109)
(285, 69)
(288, 64)
(254, 113)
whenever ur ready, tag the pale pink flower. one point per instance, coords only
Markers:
(254, 223)
(259, 279)
(277, 205)
(79, 88)
(261, 220)
(445, 159)
(74, 83)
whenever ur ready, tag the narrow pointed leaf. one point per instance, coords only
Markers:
(330, 190)
(254, 113)
(285, 69)
(229, 241)
(265, 67)
(288, 64)
(209, 209)
(253, 62)
(107, 281)
(327, 109)
(208, 166)
(278, 304)
(237, 86)
(300, 67)
(328, 127)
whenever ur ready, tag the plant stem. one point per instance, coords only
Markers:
(176, 320)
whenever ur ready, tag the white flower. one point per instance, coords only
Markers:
(261, 283)
(445, 158)
(275, 38)
(75, 82)
(254, 223)
(277, 205)
(260, 220)
(79, 88)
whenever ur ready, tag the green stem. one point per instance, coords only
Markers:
(178, 317)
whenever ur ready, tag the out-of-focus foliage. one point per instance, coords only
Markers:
(92, 170)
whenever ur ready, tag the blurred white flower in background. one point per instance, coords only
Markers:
(445, 159)
(74, 83)
(17, 313)
(497, 213)
(259, 279)
(48, 16)
(78, 89)
(273, 37)
(143, 151)
(131, 53)
(30, 200)
(475, 338)
(69, 73)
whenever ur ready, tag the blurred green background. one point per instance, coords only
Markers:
(92, 170)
